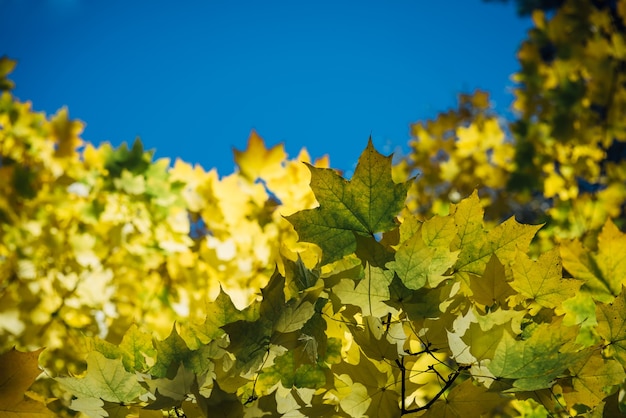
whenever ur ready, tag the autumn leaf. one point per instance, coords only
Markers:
(612, 326)
(534, 363)
(602, 272)
(366, 204)
(542, 281)
(369, 294)
(370, 388)
(259, 162)
(106, 379)
(174, 350)
(67, 133)
(593, 379)
(19, 371)
(136, 349)
(467, 400)
(492, 287)
(477, 245)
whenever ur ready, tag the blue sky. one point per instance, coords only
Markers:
(192, 78)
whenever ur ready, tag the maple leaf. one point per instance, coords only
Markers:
(612, 326)
(542, 281)
(492, 287)
(603, 272)
(425, 256)
(370, 293)
(370, 388)
(374, 342)
(534, 363)
(174, 350)
(19, 371)
(136, 349)
(169, 392)
(259, 162)
(366, 204)
(106, 379)
(220, 312)
(477, 245)
(466, 400)
(593, 379)
(220, 404)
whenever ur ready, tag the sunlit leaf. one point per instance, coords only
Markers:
(366, 204)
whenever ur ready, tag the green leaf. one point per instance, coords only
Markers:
(106, 379)
(372, 390)
(412, 263)
(417, 263)
(366, 204)
(135, 349)
(249, 342)
(370, 294)
(612, 326)
(476, 246)
(220, 404)
(176, 388)
(173, 350)
(534, 363)
(220, 312)
(294, 316)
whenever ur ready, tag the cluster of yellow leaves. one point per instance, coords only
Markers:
(562, 160)
(571, 102)
(93, 239)
(461, 151)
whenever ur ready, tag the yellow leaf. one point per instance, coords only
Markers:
(542, 281)
(259, 162)
(66, 133)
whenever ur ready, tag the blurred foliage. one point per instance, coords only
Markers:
(161, 288)
(561, 160)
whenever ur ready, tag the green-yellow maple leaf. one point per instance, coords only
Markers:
(220, 403)
(492, 288)
(220, 312)
(604, 271)
(372, 388)
(466, 400)
(366, 204)
(136, 350)
(370, 294)
(424, 257)
(173, 350)
(375, 341)
(175, 389)
(542, 281)
(534, 363)
(591, 376)
(106, 379)
(477, 245)
(612, 326)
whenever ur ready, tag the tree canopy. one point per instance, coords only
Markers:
(482, 275)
